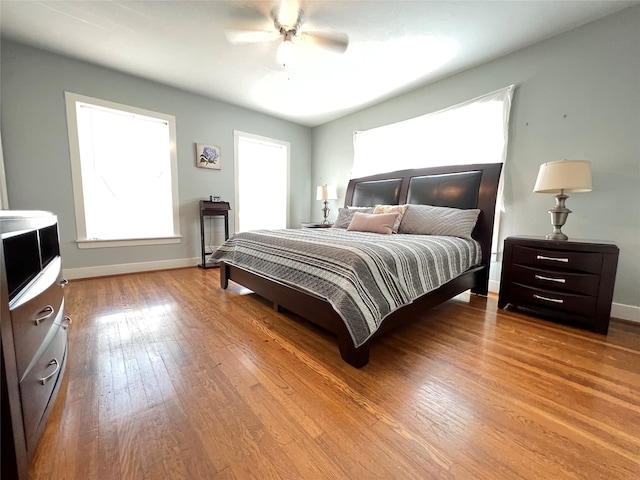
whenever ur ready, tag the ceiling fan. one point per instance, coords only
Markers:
(288, 19)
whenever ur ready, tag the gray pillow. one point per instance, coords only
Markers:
(346, 214)
(430, 220)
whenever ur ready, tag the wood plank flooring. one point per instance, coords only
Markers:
(170, 377)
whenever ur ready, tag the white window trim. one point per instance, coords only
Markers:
(76, 174)
(4, 198)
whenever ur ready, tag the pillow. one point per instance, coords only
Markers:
(370, 222)
(346, 214)
(399, 209)
(430, 220)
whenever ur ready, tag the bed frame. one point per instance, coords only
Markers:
(463, 186)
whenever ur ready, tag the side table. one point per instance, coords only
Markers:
(569, 280)
(212, 209)
(316, 225)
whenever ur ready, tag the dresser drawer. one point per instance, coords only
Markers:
(33, 321)
(589, 262)
(37, 387)
(581, 283)
(562, 301)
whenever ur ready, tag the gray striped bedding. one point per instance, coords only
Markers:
(365, 276)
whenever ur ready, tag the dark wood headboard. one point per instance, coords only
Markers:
(458, 186)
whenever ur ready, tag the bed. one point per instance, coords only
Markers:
(315, 259)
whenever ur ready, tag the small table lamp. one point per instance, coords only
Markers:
(560, 177)
(326, 193)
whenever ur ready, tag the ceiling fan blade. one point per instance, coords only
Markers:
(251, 36)
(337, 42)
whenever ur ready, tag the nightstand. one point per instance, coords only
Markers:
(212, 209)
(316, 225)
(568, 280)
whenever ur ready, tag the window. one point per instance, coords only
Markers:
(262, 182)
(123, 162)
(472, 132)
(476, 131)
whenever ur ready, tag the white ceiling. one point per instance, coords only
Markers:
(394, 47)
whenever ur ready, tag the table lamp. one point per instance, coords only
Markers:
(326, 193)
(560, 177)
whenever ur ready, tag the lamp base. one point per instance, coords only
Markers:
(325, 212)
(557, 236)
(559, 214)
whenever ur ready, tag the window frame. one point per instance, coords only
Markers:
(82, 241)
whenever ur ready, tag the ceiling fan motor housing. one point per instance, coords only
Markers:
(287, 31)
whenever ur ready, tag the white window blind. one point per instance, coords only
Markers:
(475, 131)
(262, 182)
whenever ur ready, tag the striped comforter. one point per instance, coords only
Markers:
(365, 276)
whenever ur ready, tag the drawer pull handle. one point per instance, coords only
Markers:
(52, 374)
(558, 280)
(63, 282)
(66, 322)
(554, 300)
(45, 313)
(555, 259)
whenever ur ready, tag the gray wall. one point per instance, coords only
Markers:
(36, 147)
(577, 96)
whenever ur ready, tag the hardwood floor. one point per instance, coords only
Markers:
(170, 377)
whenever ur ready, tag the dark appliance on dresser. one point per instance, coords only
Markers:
(33, 328)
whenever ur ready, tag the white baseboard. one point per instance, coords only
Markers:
(630, 313)
(105, 270)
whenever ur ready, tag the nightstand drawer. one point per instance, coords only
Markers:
(569, 302)
(582, 283)
(558, 260)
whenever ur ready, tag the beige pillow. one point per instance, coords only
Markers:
(399, 209)
(430, 220)
(375, 223)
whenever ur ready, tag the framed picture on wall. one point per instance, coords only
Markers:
(208, 156)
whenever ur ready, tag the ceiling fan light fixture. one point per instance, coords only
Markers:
(288, 19)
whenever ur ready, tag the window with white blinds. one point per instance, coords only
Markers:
(475, 131)
(123, 161)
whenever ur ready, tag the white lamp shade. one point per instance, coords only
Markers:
(326, 192)
(564, 175)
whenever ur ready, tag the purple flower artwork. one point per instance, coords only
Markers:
(208, 156)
